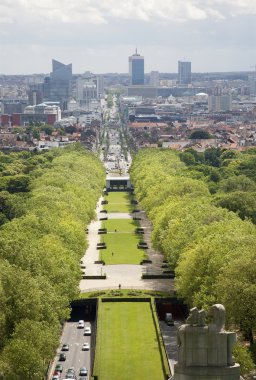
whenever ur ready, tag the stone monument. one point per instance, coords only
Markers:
(205, 351)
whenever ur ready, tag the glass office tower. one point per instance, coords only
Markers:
(136, 69)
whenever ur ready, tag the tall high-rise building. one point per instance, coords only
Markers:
(136, 69)
(184, 72)
(57, 87)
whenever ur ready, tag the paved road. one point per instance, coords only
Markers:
(75, 357)
(169, 334)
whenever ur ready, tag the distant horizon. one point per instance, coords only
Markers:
(146, 73)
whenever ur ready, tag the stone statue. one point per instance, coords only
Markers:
(217, 315)
(205, 351)
(196, 317)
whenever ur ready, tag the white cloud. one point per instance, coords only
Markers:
(170, 29)
(102, 11)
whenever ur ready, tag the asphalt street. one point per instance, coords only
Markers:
(75, 357)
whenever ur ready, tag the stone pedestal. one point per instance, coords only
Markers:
(207, 373)
(205, 351)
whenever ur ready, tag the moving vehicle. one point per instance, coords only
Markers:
(80, 324)
(85, 347)
(87, 330)
(62, 357)
(169, 319)
(65, 347)
(83, 371)
(70, 373)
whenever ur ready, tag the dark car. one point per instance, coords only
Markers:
(59, 368)
(65, 347)
(62, 357)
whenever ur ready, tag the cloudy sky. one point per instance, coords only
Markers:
(99, 35)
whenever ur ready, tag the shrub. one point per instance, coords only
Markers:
(244, 358)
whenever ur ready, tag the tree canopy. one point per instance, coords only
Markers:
(46, 202)
(202, 206)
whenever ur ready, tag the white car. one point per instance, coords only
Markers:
(80, 324)
(87, 330)
(85, 347)
(83, 371)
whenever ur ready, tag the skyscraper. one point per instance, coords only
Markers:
(136, 69)
(184, 72)
(57, 87)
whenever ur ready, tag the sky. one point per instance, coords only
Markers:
(99, 35)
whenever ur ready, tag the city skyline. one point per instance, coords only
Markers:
(99, 35)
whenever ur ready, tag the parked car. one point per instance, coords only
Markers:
(87, 330)
(80, 324)
(62, 357)
(85, 347)
(59, 368)
(65, 347)
(83, 371)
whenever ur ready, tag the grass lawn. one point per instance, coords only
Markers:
(121, 225)
(126, 347)
(118, 207)
(118, 202)
(124, 248)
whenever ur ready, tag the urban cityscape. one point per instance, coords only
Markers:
(128, 190)
(161, 108)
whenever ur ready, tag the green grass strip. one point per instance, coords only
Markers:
(119, 202)
(118, 207)
(127, 346)
(121, 249)
(120, 225)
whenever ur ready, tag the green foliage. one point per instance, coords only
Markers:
(201, 263)
(40, 249)
(210, 247)
(212, 156)
(243, 357)
(200, 134)
(188, 158)
(240, 272)
(247, 166)
(241, 202)
(18, 184)
(237, 183)
(31, 348)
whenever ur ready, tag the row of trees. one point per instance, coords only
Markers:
(39, 257)
(211, 249)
